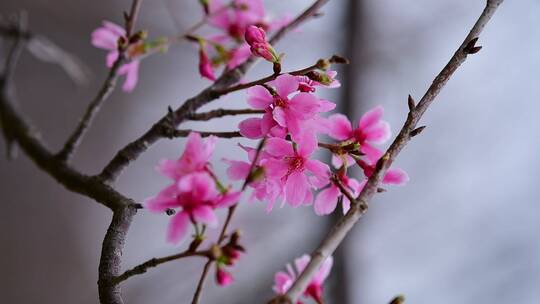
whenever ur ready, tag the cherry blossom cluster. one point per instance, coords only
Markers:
(236, 20)
(283, 168)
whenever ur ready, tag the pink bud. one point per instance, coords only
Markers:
(223, 278)
(256, 38)
(205, 67)
(255, 34)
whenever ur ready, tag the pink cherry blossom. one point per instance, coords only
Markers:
(235, 19)
(194, 159)
(327, 199)
(281, 111)
(305, 84)
(197, 197)
(205, 66)
(256, 38)
(263, 188)
(106, 37)
(289, 166)
(371, 130)
(284, 280)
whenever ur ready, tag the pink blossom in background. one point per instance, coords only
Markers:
(234, 20)
(197, 197)
(106, 37)
(284, 280)
(281, 111)
(326, 201)
(195, 158)
(289, 168)
(371, 130)
(205, 66)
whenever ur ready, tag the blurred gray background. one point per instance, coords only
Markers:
(465, 229)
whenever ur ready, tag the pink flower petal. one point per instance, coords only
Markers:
(395, 177)
(278, 147)
(111, 58)
(379, 133)
(285, 85)
(326, 200)
(131, 70)
(200, 184)
(304, 105)
(178, 227)
(296, 188)
(238, 170)
(307, 144)
(371, 117)
(280, 116)
(372, 154)
(275, 168)
(259, 97)
(206, 215)
(320, 170)
(341, 127)
(251, 128)
(229, 199)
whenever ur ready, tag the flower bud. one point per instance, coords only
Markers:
(223, 277)
(205, 66)
(256, 38)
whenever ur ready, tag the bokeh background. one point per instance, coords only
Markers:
(465, 229)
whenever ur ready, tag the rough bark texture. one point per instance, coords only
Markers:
(110, 263)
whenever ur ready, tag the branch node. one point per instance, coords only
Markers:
(417, 131)
(471, 47)
(411, 103)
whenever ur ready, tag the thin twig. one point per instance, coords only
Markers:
(154, 262)
(217, 113)
(103, 94)
(321, 64)
(230, 213)
(342, 227)
(185, 133)
(134, 149)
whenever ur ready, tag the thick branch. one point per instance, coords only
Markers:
(133, 150)
(342, 227)
(111, 255)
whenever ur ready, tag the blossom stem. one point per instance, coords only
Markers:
(266, 79)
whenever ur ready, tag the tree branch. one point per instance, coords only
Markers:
(154, 262)
(111, 255)
(185, 133)
(217, 113)
(134, 149)
(104, 92)
(342, 227)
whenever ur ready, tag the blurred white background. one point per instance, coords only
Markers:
(464, 230)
